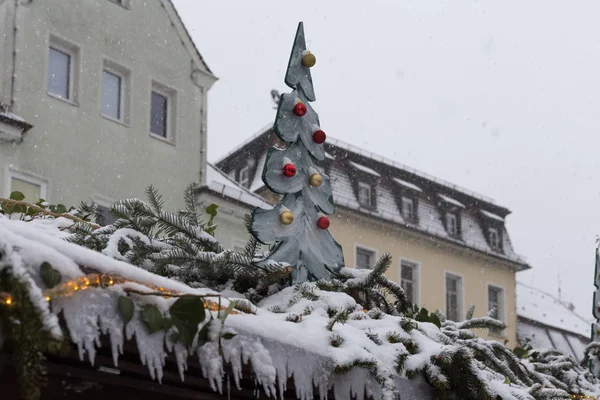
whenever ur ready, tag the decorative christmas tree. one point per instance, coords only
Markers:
(298, 225)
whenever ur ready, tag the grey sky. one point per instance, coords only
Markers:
(502, 98)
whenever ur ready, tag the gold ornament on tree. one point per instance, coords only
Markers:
(308, 59)
(286, 218)
(316, 180)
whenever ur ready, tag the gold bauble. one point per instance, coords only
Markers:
(286, 218)
(316, 180)
(309, 59)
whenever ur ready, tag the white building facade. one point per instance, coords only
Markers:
(98, 100)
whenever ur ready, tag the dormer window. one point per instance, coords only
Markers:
(494, 239)
(408, 208)
(244, 176)
(452, 224)
(364, 194)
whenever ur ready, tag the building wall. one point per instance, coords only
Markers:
(81, 155)
(434, 258)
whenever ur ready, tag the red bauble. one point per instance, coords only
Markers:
(289, 170)
(323, 223)
(319, 137)
(300, 109)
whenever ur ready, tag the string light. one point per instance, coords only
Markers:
(581, 396)
(82, 283)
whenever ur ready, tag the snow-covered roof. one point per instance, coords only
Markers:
(543, 308)
(450, 200)
(550, 323)
(429, 220)
(11, 116)
(491, 215)
(407, 184)
(363, 168)
(218, 181)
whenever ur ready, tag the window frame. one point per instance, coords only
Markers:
(416, 266)
(494, 245)
(408, 200)
(460, 294)
(34, 180)
(171, 127)
(124, 91)
(363, 185)
(246, 169)
(501, 305)
(360, 247)
(72, 50)
(452, 215)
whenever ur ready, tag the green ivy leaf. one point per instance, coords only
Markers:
(61, 209)
(434, 319)
(212, 210)
(519, 352)
(228, 335)
(507, 381)
(188, 309)
(153, 319)
(50, 276)
(18, 196)
(187, 313)
(126, 308)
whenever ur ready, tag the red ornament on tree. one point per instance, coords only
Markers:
(319, 137)
(323, 223)
(289, 170)
(300, 109)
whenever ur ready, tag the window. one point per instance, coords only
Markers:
(408, 208)
(496, 300)
(453, 297)
(62, 69)
(244, 177)
(59, 73)
(159, 110)
(162, 112)
(451, 224)
(115, 92)
(409, 280)
(364, 258)
(33, 189)
(111, 95)
(364, 194)
(494, 238)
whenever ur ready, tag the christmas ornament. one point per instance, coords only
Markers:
(323, 223)
(319, 137)
(300, 109)
(308, 59)
(316, 180)
(289, 170)
(306, 244)
(286, 218)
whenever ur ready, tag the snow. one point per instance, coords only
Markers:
(219, 182)
(407, 184)
(491, 215)
(275, 347)
(544, 308)
(450, 200)
(361, 167)
(9, 115)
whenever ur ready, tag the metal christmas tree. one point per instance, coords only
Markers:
(298, 225)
